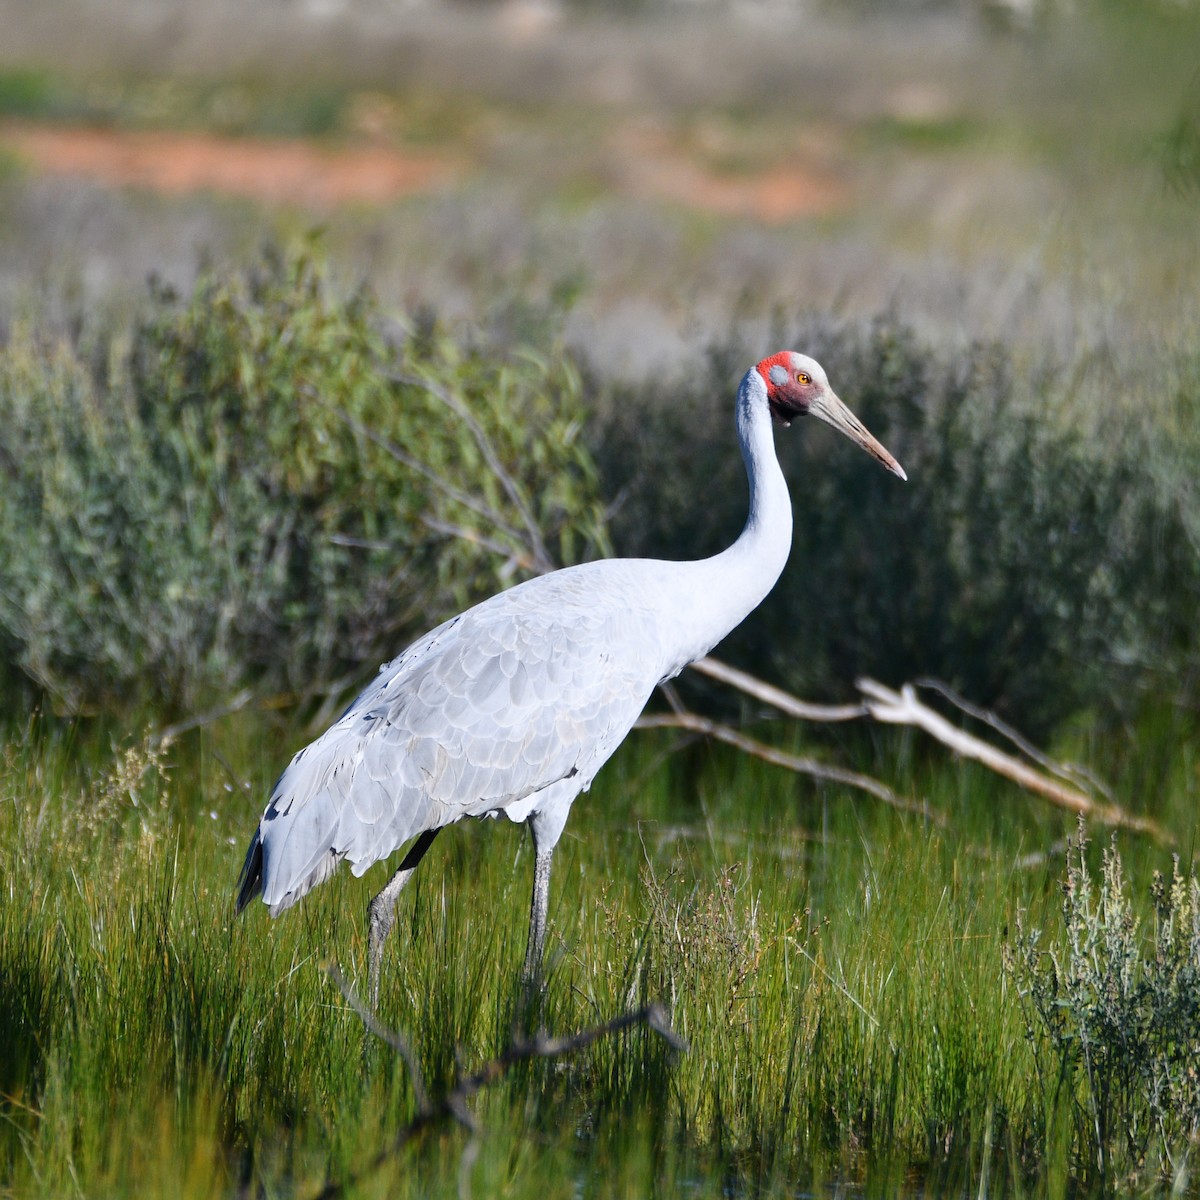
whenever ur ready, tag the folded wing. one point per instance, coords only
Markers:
(483, 713)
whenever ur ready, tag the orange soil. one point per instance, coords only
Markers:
(646, 162)
(774, 196)
(274, 170)
(642, 164)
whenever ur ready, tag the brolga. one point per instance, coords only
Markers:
(512, 707)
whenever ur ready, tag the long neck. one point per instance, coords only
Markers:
(725, 588)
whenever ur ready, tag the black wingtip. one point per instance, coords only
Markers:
(250, 881)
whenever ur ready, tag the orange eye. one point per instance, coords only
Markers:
(803, 377)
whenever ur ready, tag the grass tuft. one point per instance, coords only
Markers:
(836, 968)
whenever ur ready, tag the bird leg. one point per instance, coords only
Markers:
(537, 914)
(382, 910)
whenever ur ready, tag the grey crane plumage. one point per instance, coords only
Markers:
(510, 708)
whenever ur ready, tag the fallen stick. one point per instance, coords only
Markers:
(1069, 772)
(694, 723)
(164, 737)
(903, 708)
(776, 697)
(453, 1104)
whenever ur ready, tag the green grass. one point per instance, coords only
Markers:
(27, 92)
(915, 134)
(836, 969)
(151, 101)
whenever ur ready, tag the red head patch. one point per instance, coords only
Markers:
(791, 384)
(782, 360)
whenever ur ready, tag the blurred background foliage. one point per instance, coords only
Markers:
(273, 483)
(264, 484)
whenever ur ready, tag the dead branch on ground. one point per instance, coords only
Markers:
(452, 1106)
(1071, 773)
(903, 708)
(170, 733)
(776, 697)
(781, 758)
(1060, 783)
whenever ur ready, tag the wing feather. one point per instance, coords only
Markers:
(534, 687)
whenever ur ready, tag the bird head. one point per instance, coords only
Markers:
(797, 387)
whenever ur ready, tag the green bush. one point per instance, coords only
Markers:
(1035, 566)
(1116, 1018)
(269, 487)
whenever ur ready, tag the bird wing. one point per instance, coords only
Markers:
(537, 685)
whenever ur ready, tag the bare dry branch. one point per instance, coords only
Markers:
(393, 1037)
(164, 737)
(1066, 771)
(738, 840)
(776, 697)
(780, 758)
(671, 696)
(453, 1105)
(466, 499)
(512, 554)
(903, 708)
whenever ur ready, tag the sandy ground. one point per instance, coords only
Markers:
(298, 172)
(275, 171)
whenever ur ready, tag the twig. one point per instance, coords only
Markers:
(413, 463)
(841, 987)
(453, 1105)
(519, 558)
(165, 736)
(666, 835)
(1039, 858)
(776, 697)
(671, 696)
(1068, 771)
(533, 531)
(903, 708)
(393, 1037)
(780, 758)
(240, 784)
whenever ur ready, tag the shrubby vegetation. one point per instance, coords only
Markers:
(266, 484)
(1037, 567)
(840, 1000)
(1115, 1016)
(270, 483)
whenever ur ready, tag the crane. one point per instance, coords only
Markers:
(510, 708)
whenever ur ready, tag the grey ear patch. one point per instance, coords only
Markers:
(778, 374)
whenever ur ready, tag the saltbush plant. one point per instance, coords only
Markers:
(269, 485)
(1114, 1012)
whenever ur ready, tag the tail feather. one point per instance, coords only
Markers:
(250, 882)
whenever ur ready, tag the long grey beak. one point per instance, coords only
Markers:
(833, 412)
